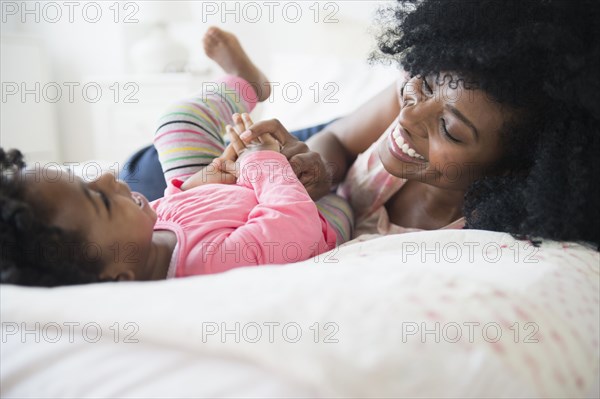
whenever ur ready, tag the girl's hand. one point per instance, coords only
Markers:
(226, 165)
(224, 170)
(221, 170)
(265, 142)
(307, 165)
(215, 173)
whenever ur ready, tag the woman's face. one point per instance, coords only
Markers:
(446, 136)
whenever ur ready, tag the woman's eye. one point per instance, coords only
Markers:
(446, 133)
(426, 86)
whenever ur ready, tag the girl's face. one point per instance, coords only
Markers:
(445, 135)
(117, 223)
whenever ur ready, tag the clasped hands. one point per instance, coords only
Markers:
(247, 137)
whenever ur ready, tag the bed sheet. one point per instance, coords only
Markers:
(430, 314)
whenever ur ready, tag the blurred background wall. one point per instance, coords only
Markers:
(56, 56)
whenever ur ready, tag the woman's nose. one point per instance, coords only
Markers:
(419, 113)
(410, 94)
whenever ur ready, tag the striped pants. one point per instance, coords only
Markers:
(191, 134)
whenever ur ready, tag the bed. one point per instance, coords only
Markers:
(431, 314)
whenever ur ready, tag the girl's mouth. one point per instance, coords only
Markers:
(139, 199)
(401, 150)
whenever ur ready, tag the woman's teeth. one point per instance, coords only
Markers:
(404, 146)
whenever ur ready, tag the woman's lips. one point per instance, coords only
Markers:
(401, 149)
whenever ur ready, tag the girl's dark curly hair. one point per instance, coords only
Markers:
(540, 57)
(32, 252)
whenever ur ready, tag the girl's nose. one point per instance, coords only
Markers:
(106, 181)
(116, 185)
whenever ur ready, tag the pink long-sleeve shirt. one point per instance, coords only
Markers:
(267, 217)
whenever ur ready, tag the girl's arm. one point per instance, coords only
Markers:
(285, 226)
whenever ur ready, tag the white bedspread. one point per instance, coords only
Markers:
(442, 313)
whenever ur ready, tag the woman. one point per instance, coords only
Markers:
(499, 115)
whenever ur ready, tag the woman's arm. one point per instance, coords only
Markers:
(324, 159)
(340, 142)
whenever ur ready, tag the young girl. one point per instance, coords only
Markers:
(246, 207)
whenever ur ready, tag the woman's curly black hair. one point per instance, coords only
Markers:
(541, 57)
(32, 252)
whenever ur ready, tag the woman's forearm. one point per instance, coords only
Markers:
(337, 159)
(340, 142)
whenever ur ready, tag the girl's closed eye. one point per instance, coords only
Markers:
(103, 197)
(105, 200)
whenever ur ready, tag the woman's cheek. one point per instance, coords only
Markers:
(442, 162)
(454, 169)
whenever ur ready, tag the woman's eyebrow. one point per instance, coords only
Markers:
(88, 195)
(463, 118)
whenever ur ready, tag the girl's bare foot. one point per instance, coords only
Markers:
(225, 49)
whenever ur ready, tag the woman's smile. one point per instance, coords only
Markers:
(402, 149)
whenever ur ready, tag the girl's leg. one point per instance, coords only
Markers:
(143, 173)
(339, 214)
(190, 133)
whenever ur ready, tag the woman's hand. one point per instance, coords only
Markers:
(223, 170)
(266, 142)
(307, 165)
